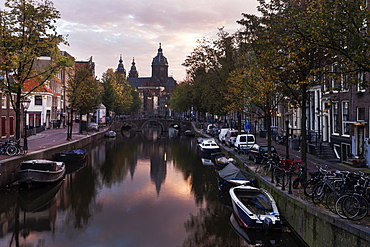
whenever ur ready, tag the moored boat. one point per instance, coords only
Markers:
(189, 133)
(73, 156)
(255, 208)
(38, 172)
(207, 147)
(110, 133)
(231, 176)
(221, 161)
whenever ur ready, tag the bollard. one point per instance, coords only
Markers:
(290, 183)
(283, 185)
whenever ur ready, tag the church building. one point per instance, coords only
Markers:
(154, 91)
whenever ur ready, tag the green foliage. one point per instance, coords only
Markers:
(27, 32)
(83, 90)
(117, 95)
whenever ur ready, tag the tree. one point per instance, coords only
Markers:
(276, 39)
(181, 99)
(209, 67)
(83, 90)
(27, 32)
(117, 95)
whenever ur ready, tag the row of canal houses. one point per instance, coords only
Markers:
(338, 116)
(49, 104)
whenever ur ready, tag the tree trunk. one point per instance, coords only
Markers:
(303, 131)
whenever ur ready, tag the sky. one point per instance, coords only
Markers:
(107, 29)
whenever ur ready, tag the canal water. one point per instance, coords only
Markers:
(142, 190)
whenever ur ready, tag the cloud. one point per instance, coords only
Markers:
(134, 28)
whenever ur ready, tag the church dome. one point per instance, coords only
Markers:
(160, 59)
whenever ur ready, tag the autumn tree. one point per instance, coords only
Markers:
(275, 38)
(27, 32)
(181, 99)
(117, 95)
(209, 66)
(84, 90)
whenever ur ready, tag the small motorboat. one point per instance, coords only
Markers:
(38, 172)
(231, 176)
(189, 133)
(221, 161)
(110, 133)
(69, 157)
(255, 208)
(255, 237)
(207, 147)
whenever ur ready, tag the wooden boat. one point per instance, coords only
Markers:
(231, 176)
(73, 156)
(221, 161)
(110, 133)
(38, 172)
(255, 208)
(207, 147)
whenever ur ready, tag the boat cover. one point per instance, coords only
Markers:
(232, 172)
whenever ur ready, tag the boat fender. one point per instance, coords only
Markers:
(267, 224)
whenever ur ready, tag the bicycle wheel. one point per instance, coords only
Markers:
(355, 207)
(281, 178)
(339, 207)
(309, 187)
(320, 193)
(331, 200)
(267, 167)
(11, 150)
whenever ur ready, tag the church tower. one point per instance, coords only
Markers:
(121, 69)
(160, 67)
(133, 72)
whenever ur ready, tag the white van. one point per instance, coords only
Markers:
(221, 136)
(244, 142)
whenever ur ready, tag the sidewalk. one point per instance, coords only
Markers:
(49, 138)
(312, 161)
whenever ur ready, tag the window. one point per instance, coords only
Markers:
(38, 100)
(345, 117)
(335, 118)
(361, 81)
(360, 114)
(3, 101)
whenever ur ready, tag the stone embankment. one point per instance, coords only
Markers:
(316, 225)
(43, 146)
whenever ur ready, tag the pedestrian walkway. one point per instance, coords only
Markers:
(49, 138)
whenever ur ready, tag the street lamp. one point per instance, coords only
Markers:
(69, 125)
(26, 103)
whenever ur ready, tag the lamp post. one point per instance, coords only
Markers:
(69, 125)
(26, 104)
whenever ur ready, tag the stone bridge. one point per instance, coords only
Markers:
(140, 123)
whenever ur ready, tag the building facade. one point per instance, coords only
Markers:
(155, 90)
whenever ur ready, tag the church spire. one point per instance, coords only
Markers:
(133, 72)
(121, 69)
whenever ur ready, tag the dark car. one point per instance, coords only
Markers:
(93, 127)
(257, 152)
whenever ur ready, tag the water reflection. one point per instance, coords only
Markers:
(144, 189)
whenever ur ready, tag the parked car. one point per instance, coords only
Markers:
(210, 127)
(244, 142)
(93, 127)
(230, 137)
(257, 152)
(222, 134)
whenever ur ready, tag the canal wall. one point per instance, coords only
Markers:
(315, 225)
(9, 168)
